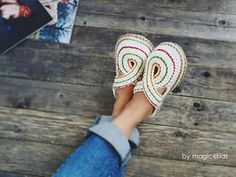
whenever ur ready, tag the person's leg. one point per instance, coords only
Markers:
(88, 159)
(137, 110)
(94, 158)
(123, 97)
(107, 149)
(100, 155)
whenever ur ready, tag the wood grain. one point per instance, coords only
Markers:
(90, 101)
(55, 97)
(211, 72)
(170, 21)
(160, 141)
(186, 112)
(101, 42)
(142, 166)
(99, 71)
(50, 93)
(12, 174)
(221, 6)
(43, 159)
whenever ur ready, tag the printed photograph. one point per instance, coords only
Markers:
(19, 19)
(60, 28)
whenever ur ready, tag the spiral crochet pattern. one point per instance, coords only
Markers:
(164, 70)
(131, 53)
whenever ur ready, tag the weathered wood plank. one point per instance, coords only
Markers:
(176, 111)
(155, 167)
(99, 71)
(90, 101)
(155, 10)
(55, 97)
(12, 174)
(31, 158)
(156, 140)
(157, 20)
(59, 67)
(197, 113)
(171, 143)
(43, 127)
(157, 27)
(87, 61)
(43, 159)
(221, 6)
(96, 41)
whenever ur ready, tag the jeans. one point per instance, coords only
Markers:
(105, 152)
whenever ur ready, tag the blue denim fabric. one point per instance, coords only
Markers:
(133, 140)
(94, 158)
(104, 153)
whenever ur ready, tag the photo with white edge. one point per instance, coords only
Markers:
(60, 28)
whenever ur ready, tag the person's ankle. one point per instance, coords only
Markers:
(118, 107)
(136, 111)
(142, 106)
(123, 97)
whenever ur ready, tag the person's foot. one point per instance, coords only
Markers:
(164, 70)
(131, 52)
(123, 97)
(136, 111)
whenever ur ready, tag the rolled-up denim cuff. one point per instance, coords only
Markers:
(115, 137)
(134, 138)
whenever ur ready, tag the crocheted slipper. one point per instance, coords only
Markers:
(131, 53)
(164, 70)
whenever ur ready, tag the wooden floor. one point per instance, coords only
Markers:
(50, 93)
